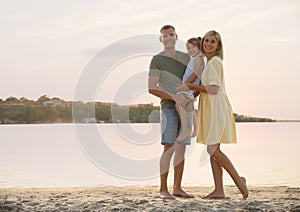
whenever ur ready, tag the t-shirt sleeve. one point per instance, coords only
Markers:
(154, 69)
(215, 72)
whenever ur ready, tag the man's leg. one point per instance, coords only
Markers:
(164, 171)
(178, 171)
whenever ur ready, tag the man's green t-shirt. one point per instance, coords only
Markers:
(170, 71)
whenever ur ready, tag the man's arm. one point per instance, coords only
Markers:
(156, 90)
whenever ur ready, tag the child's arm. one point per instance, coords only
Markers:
(198, 63)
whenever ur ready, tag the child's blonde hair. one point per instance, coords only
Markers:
(195, 42)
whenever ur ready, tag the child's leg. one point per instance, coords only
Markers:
(184, 125)
(185, 131)
(195, 124)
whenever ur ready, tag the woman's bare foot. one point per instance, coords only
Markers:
(182, 193)
(243, 188)
(215, 195)
(166, 195)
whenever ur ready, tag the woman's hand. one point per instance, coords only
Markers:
(182, 87)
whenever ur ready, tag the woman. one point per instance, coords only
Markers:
(216, 124)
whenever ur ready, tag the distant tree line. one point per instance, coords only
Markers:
(242, 118)
(56, 110)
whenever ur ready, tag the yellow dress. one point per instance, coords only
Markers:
(216, 123)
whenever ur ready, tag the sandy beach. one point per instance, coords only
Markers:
(135, 198)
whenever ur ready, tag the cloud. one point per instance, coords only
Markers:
(10, 16)
(247, 15)
(283, 39)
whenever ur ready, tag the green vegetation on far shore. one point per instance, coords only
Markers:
(56, 110)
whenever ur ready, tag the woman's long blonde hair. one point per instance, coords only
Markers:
(220, 45)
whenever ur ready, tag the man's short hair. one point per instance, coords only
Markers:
(165, 27)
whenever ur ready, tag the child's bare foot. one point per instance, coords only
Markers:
(243, 188)
(215, 195)
(166, 195)
(194, 134)
(185, 132)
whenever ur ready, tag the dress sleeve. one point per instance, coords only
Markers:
(215, 69)
(154, 69)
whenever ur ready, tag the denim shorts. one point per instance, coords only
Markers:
(170, 126)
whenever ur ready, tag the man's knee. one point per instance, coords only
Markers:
(180, 149)
(169, 149)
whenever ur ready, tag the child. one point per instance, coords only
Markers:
(192, 75)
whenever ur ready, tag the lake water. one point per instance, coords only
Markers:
(67, 155)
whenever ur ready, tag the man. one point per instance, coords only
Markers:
(166, 71)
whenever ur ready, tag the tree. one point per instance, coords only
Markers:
(11, 99)
(43, 98)
(24, 99)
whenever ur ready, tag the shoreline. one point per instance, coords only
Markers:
(145, 198)
(71, 123)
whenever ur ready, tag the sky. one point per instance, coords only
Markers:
(47, 44)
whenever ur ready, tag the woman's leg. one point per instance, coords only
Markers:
(223, 161)
(218, 180)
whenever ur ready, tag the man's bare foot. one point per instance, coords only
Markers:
(166, 195)
(215, 195)
(181, 193)
(243, 188)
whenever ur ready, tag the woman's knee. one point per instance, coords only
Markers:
(211, 149)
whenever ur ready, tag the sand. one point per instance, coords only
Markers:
(145, 199)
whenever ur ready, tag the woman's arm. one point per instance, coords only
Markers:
(210, 89)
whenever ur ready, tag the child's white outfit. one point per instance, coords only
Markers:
(188, 72)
